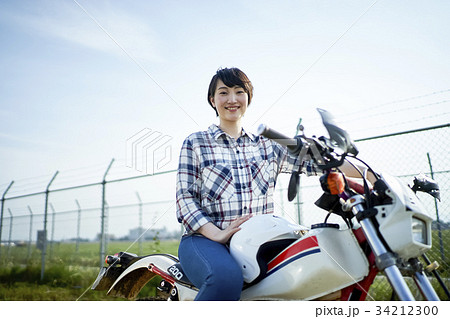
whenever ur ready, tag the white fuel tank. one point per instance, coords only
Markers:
(323, 261)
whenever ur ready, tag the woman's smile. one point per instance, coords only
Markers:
(232, 108)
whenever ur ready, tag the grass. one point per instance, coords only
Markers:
(435, 253)
(68, 275)
(382, 290)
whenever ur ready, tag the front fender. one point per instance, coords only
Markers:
(136, 276)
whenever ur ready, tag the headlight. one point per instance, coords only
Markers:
(419, 231)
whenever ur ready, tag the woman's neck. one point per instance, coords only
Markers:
(234, 129)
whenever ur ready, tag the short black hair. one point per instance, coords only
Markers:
(230, 77)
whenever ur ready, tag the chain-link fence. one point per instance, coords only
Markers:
(111, 209)
(406, 156)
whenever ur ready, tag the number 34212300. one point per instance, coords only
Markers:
(407, 310)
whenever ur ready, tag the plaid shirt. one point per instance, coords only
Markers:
(220, 178)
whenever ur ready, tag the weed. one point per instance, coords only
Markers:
(68, 275)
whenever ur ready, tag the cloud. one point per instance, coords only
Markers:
(18, 142)
(92, 28)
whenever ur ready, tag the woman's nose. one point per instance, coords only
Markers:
(232, 98)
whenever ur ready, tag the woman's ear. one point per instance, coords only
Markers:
(212, 101)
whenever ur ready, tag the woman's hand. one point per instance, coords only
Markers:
(213, 232)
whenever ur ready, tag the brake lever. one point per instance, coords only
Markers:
(321, 151)
(334, 163)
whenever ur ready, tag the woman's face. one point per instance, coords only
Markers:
(230, 102)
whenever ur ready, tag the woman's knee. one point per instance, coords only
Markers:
(227, 284)
(221, 290)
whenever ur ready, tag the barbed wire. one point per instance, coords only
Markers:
(346, 119)
(376, 107)
(402, 123)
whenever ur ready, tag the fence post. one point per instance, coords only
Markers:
(10, 231)
(31, 233)
(102, 228)
(107, 234)
(140, 224)
(299, 202)
(441, 244)
(280, 189)
(299, 190)
(52, 237)
(1, 217)
(77, 246)
(44, 246)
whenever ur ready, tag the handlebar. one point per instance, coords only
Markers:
(316, 147)
(293, 144)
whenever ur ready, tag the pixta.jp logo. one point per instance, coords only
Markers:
(148, 151)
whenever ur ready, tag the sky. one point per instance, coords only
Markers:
(81, 79)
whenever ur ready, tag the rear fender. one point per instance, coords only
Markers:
(136, 276)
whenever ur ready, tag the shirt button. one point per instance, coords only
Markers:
(245, 207)
(237, 151)
(241, 167)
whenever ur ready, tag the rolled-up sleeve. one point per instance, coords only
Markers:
(188, 191)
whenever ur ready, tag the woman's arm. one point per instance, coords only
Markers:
(188, 193)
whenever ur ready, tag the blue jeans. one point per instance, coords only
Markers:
(211, 268)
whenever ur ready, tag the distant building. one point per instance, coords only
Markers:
(151, 234)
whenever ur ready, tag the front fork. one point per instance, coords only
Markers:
(424, 285)
(385, 260)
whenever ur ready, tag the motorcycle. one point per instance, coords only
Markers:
(386, 230)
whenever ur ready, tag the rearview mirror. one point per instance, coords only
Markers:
(423, 183)
(338, 136)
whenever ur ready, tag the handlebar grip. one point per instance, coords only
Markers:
(291, 143)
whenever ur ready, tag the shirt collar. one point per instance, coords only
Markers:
(216, 132)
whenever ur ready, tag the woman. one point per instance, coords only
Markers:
(225, 174)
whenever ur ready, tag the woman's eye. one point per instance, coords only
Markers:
(222, 93)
